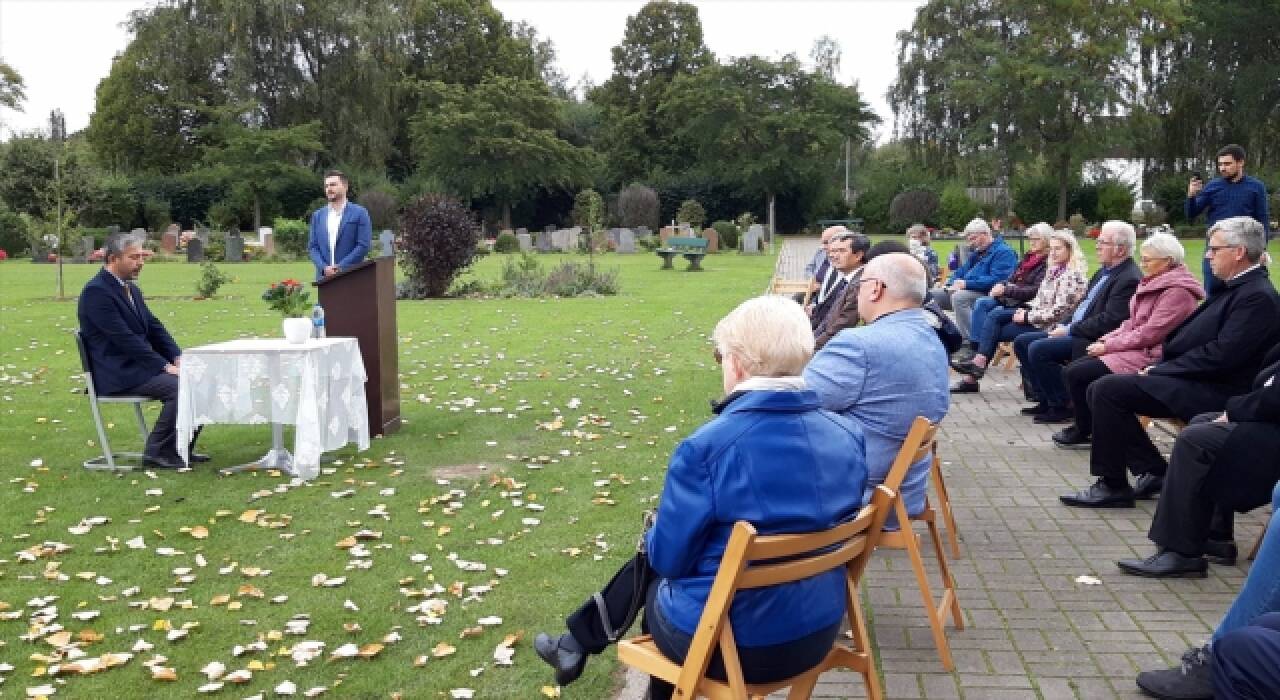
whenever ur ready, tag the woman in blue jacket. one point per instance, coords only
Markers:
(771, 456)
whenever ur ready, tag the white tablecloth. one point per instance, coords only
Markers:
(318, 387)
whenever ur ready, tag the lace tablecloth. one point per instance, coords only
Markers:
(318, 387)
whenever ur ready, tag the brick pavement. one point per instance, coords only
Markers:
(1031, 630)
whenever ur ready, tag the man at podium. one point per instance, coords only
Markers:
(341, 232)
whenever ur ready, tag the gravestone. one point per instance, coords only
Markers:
(525, 241)
(169, 239)
(82, 249)
(543, 242)
(387, 240)
(234, 247)
(713, 239)
(113, 229)
(521, 230)
(751, 239)
(664, 233)
(139, 232)
(195, 249)
(203, 234)
(643, 231)
(266, 236)
(626, 241)
(565, 240)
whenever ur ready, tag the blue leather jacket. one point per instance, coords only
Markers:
(780, 462)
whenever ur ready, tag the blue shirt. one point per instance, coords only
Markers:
(1225, 199)
(1103, 274)
(882, 375)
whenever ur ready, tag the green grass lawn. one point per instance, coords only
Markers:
(473, 476)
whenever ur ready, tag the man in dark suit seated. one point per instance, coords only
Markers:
(130, 351)
(1210, 357)
(847, 253)
(1214, 472)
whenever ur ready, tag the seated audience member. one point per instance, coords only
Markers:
(918, 237)
(942, 324)
(131, 352)
(818, 270)
(1014, 293)
(729, 470)
(1165, 297)
(885, 373)
(1060, 291)
(1242, 659)
(1215, 471)
(1210, 357)
(848, 252)
(990, 261)
(1042, 355)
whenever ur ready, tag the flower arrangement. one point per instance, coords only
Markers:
(288, 297)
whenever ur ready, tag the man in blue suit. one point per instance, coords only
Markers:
(341, 232)
(129, 350)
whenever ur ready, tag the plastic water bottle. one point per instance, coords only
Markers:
(317, 321)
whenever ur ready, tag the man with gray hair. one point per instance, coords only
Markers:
(885, 373)
(1211, 356)
(129, 350)
(990, 261)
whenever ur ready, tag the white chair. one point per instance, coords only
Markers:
(108, 458)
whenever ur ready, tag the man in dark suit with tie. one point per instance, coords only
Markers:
(129, 350)
(1210, 357)
(341, 232)
(847, 252)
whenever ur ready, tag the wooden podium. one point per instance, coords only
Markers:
(361, 303)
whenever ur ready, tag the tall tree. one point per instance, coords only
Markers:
(497, 139)
(826, 54)
(766, 126)
(12, 88)
(662, 42)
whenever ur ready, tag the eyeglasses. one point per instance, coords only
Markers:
(1213, 249)
(858, 284)
(1102, 242)
(1144, 259)
(715, 352)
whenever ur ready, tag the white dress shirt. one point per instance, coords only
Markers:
(335, 223)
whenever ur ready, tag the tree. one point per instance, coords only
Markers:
(826, 54)
(497, 139)
(638, 206)
(12, 88)
(437, 240)
(765, 126)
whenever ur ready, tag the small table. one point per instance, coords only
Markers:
(316, 386)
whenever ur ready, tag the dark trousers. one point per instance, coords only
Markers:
(1119, 440)
(759, 664)
(1001, 329)
(1246, 662)
(164, 387)
(1041, 359)
(1188, 513)
(1078, 376)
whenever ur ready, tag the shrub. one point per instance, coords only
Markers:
(638, 205)
(211, 278)
(588, 210)
(913, 206)
(728, 232)
(955, 207)
(292, 236)
(571, 279)
(437, 240)
(1115, 201)
(649, 243)
(383, 210)
(506, 243)
(13, 231)
(156, 213)
(522, 276)
(744, 220)
(692, 213)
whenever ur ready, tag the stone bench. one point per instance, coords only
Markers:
(692, 249)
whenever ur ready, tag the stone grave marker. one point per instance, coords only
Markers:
(751, 239)
(203, 234)
(234, 246)
(169, 239)
(565, 240)
(713, 239)
(543, 242)
(626, 241)
(195, 249)
(387, 240)
(643, 231)
(267, 237)
(522, 230)
(664, 233)
(525, 240)
(113, 229)
(82, 249)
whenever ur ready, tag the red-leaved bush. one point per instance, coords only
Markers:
(437, 241)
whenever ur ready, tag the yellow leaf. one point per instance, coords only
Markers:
(442, 650)
(250, 516)
(369, 651)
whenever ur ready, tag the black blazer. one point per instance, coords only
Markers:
(127, 344)
(1247, 459)
(1216, 352)
(1111, 305)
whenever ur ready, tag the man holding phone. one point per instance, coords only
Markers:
(1233, 194)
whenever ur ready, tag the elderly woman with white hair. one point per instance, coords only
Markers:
(1165, 297)
(771, 456)
(1060, 292)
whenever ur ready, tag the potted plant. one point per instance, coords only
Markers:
(292, 300)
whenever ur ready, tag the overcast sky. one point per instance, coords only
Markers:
(63, 48)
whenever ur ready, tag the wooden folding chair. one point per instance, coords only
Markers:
(921, 443)
(790, 558)
(944, 502)
(1253, 553)
(1004, 351)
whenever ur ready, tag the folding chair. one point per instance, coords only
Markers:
(790, 558)
(944, 502)
(1253, 553)
(1004, 351)
(108, 458)
(921, 443)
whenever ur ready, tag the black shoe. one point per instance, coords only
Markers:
(1166, 564)
(1100, 495)
(1070, 438)
(1222, 552)
(1147, 486)
(197, 458)
(964, 354)
(963, 387)
(1193, 680)
(1033, 410)
(564, 654)
(1054, 414)
(163, 461)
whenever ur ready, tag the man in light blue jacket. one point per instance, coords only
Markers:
(990, 261)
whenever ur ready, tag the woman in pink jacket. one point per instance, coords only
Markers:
(1165, 297)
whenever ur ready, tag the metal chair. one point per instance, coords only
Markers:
(108, 458)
